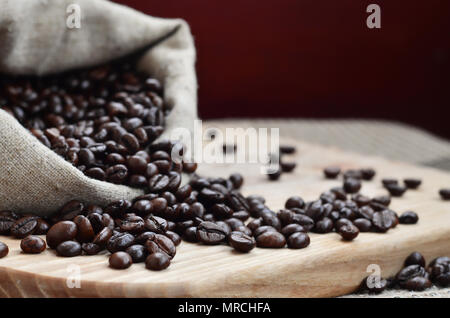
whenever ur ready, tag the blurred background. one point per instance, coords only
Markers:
(318, 59)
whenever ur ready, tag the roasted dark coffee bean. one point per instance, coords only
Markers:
(211, 196)
(176, 239)
(241, 242)
(389, 181)
(7, 220)
(294, 202)
(340, 222)
(287, 166)
(409, 272)
(117, 174)
(143, 237)
(158, 183)
(120, 260)
(384, 200)
(210, 233)
(137, 252)
(352, 185)
(298, 240)
(237, 180)
(439, 270)
(156, 224)
(304, 221)
(160, 244)
(325, 225)
(291, 229)
(445, 194)
(143, 207)
(364, 225)
(42, 227)
(189, 167)
(91, 248)
(367, 173)
(286, 149)
(157, 261)
(412, 183)
(85, 231)
(32, 244)
(190, 234)
(262, 229)
(254, 224)
(120, 242)
(226, 228)
(69, 249)
(331, 172)
(137, 165)
(417, 283)
(365, 212)
(270, 239)
(70, 210)
(408, 217)
(415, 258)
(241, 215)
(234, 223)
(348, 232)
(4, 250)
(383, 221)
(132, 224)
(361, 200)
(396, 190)
(24, 226)
(275, 175)
(315, 210)
(102, 238)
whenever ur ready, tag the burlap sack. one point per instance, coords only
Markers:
(35, 39)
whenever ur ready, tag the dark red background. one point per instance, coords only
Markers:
(317, 58)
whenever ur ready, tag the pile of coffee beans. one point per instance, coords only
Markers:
(414, 276)
(284, 166)
(100, 120)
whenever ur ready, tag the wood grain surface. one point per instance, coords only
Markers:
(328, 267)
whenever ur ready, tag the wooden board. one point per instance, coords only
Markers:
(328, 267)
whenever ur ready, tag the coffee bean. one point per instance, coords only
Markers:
(241, 242)
(157, 261)
(275, 175)
(352, 185)
(439, 270)
(408, 217)
(42, 227)
(4, 250)
(367, 173)
(176, 239)
(383, 221)
(324, 226)
(117, 174)
(389, 181)
(69, 249)
(161, 244)
(364, 225)
(263, 229)
(210, 233)
(85, 231)
(119, 242)
(237, 180)
(298, 240)
(102, 238)
(24, 226)
(445, 194)
(290, 229)
(32, 244)
(271, 239)
(331, 172)
(348, 232)
(70, 210)
(374, 285)
(412, 183)
(408, 273)
(91, 248)
(415, 258)
(417, 283)
(286, 149)
(158, 183)
(120, 260)
(287, 166)
(61, 232)
(396, 190)
(352, 174)
(132, 224)
(294, 202)
(7, 220)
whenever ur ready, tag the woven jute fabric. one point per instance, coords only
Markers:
(388, 139)
(37, 40)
